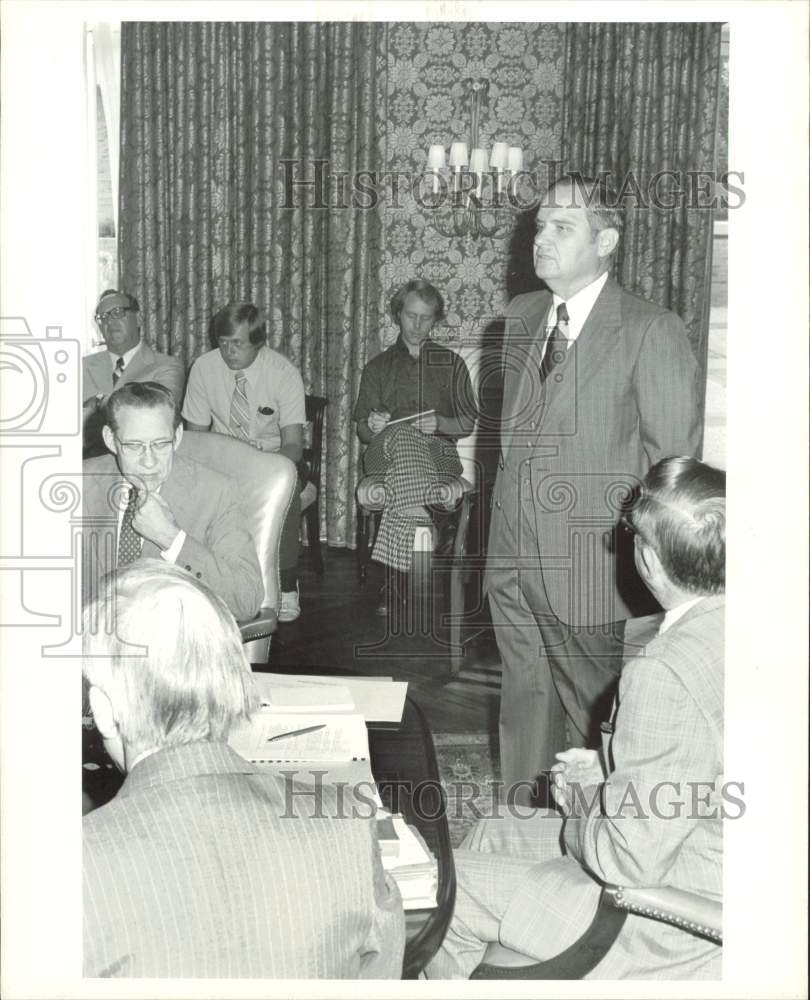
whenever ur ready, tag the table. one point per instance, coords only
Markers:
(403, 762)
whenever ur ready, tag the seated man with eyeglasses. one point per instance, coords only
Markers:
(127, 359)
(143, 501)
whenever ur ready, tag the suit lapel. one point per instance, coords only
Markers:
(141, 360)
(100, 371)
(523, 362)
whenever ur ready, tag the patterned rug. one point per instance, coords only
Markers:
(468, 766)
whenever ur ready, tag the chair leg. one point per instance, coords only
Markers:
(312, 514)
(457, 586)
(363, 553)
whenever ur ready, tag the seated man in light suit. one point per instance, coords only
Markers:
(127, 359)
(203, 865)
(651, 816)
(143, 501)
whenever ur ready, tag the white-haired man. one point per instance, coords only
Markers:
(203, 865)
(531, 880)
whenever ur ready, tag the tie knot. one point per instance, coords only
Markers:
(132, 503)
(239, 378)
(119, 365)
(562, 314)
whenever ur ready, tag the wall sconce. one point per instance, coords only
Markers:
(467, 195)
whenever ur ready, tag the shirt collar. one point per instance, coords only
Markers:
(401, 348)
(675, 613)
(579, 306)
(128, 356)
(252, 372)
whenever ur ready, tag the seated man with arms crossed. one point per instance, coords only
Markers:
(160, 504)
(127, 359)
(203, 865)
(418, 458)
(647, 820)
(247, 390)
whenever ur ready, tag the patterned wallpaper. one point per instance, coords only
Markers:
(424, 100)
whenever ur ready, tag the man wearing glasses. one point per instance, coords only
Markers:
(127, 359)
(161, 505)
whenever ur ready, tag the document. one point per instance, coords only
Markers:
(377, 699)
(280, 737)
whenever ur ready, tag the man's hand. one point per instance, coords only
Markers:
(378, 420)
(428, 424)
(155, 522)
(577, 766)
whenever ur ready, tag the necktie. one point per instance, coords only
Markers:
(129, 541)
(239, 422)
(118, 371)
(557, 344)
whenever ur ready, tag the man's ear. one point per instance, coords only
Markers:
(103, 713)
(651, 564)
(607, 241)
(109, 438)
(178, 435)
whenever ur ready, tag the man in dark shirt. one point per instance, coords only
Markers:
(417, 378)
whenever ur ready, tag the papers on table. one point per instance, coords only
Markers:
(413, 868)
(272, 737)
(377, 699)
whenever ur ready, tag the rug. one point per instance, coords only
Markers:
(470, 774)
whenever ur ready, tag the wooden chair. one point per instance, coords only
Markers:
(693, 913)
(311, 471)
(265, 483)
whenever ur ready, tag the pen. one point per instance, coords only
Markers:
(296, 732)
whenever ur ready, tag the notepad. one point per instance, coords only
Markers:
(339, 738)
(309, 698)
(377, 699)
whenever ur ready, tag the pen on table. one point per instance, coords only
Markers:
(296, 732)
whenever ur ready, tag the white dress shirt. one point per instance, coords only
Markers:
(579, 309)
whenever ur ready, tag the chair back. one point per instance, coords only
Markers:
(315, 411)
(265, 483)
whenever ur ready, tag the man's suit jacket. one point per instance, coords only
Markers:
(203, 866)
(217, 550)
(625, 397)
(668, 755)
(146, 365)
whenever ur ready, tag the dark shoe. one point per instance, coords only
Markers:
(390, 595)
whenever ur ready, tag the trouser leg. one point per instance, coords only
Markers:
(532, 720)
(585, 665)
(288, 548)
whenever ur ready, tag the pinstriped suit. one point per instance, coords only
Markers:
(200, 868)
(625, 397)
(146, 365)
(516, 886)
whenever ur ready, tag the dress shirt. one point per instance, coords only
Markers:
(126, 358)
(579, 308)
(675, 613)
(272, 383)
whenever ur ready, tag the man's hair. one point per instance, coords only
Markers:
(681, 513)
(140, 396)
(133, 302)
(601, 203)
(428, 293)
(169, 657)
(232, 316)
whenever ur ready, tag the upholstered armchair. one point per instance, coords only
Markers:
(693, 913)
(265, 483)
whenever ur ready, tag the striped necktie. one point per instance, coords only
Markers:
(118, 371)
(239, 422)
(557, 344)
(129, 541)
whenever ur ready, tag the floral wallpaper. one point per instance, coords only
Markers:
(423, 100)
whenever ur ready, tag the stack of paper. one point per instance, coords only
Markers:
(414, 869)
(377, 699)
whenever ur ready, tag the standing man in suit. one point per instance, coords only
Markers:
(203, 865)
(655, 817)
(598, 386)
(142, 501)
(247, 390)
(127, 359)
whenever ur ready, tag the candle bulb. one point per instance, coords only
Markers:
(499, 161)
(515, 159)
(478, 166)
(436, 162)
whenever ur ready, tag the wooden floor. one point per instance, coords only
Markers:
(338, 629)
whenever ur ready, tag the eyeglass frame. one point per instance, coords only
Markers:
(117, 312)
(138, 448)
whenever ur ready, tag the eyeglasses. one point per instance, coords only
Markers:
(117, 312)
(161, 447)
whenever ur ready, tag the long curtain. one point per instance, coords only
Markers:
(210, 212)
(642, 99)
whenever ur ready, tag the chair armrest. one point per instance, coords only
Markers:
(263, 625)
(688, 910)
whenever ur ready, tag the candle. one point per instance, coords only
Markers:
(435, 164)
(478, 166)
(499, 161)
